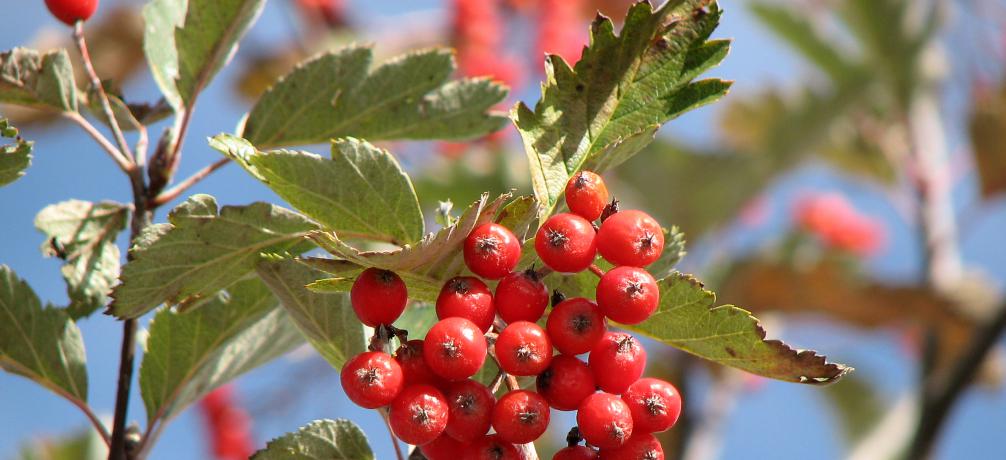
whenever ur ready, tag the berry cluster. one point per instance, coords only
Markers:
(427, 385)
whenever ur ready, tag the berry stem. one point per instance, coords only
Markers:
(394, 440)
(596, 270)
(78, 38)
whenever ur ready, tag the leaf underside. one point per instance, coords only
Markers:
(40, 80)
(319, 440)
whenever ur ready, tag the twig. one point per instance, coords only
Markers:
(174, 192)
(78, 38)
(107, 146)
(127, 354)
(98, 426)
(596, 270)
(394, 440)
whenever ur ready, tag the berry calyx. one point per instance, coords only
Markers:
(378, 297)
(575, 453)
(419, 414)
(443, 448)
(655, 405)
(523, 348)
(491, 251)
(414, 368)
(372, 379)
(71, 11)
(521, 296)
(455, 348)
(575, 326)
(470, 406)
(604, 420)
(641, 446)
(467, 297)
(586, 195)
(566, 243)
(628, 295)
(492, 448)
(520, 416)
(617, 361)
(566, 382)
(630, 238)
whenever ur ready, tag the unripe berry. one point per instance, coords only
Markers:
(378, 297)
(71, 11)
(372, 379)
(617, 361)
(604, 420)
(467, 297)
(414, 368)
(521, 296)
(566, 243)
(523, 348)
(492, 448)
(654, 403)
(630, 238)
(491, 251)
(566, 382)
(520, 416)
(575, 453)
(443, 448)
(470, 406)
(586, 195)
(455, 348)
(628, 295)
(575, 326)
(641, 446)
(418, 415)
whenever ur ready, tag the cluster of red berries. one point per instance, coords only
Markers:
(427, 385)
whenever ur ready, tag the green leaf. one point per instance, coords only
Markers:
(14, 158)
(83, 235)
(319, 440)
(202, 251)
(80, 445)
(42, 344)
(190, 354)
(623, 87)
(360, 193)
(409, 97)
(327, 320)
(39, 80)
(188, 41)
(688, 318)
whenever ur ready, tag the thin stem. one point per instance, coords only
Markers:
(102, 141)
(127, 354)
(198, 176)
(596, 270)
(100, 427)
(391, 433)
(78, 37)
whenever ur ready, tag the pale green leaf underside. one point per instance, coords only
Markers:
(34, 79)
(360, 193)
(327, 320)
(85, 232)
(202, 251)
(189, 354)
(338, 95)
(42, 344)
(14, 158)
(608, 107)
(319, 440)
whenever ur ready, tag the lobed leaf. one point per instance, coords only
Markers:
(409, 97)
(83, 235)
(202, 251)
(42, 344)
(14, 158)
(608, 106)
(319, 440)
(189, 354)
(41, 80)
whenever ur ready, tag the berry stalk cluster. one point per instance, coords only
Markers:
(427, 385)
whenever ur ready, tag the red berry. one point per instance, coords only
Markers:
(419, 414)
(628, 295)
(443, 448)
(654, 403)
(520, 416)
(641, 446)
(586, 195)
(372, 379)
(471, 406)
(575, 326)
(630, 238)
(414, 368)
(566, 243)
(492, 448)
(521, 297)
(566, 382)
(467, 297)
(71, 11)
(617, 361)
(523, 348)
(575, 453)
(378, 297)
(455, 348)
(604, 420)
(491, 251)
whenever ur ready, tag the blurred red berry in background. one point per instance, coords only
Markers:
(838, 224)
(329, 12)
(228, 427)
(561, 29)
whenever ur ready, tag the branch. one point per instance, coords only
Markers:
(107, 146)
(78, 37)
(198, 176)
